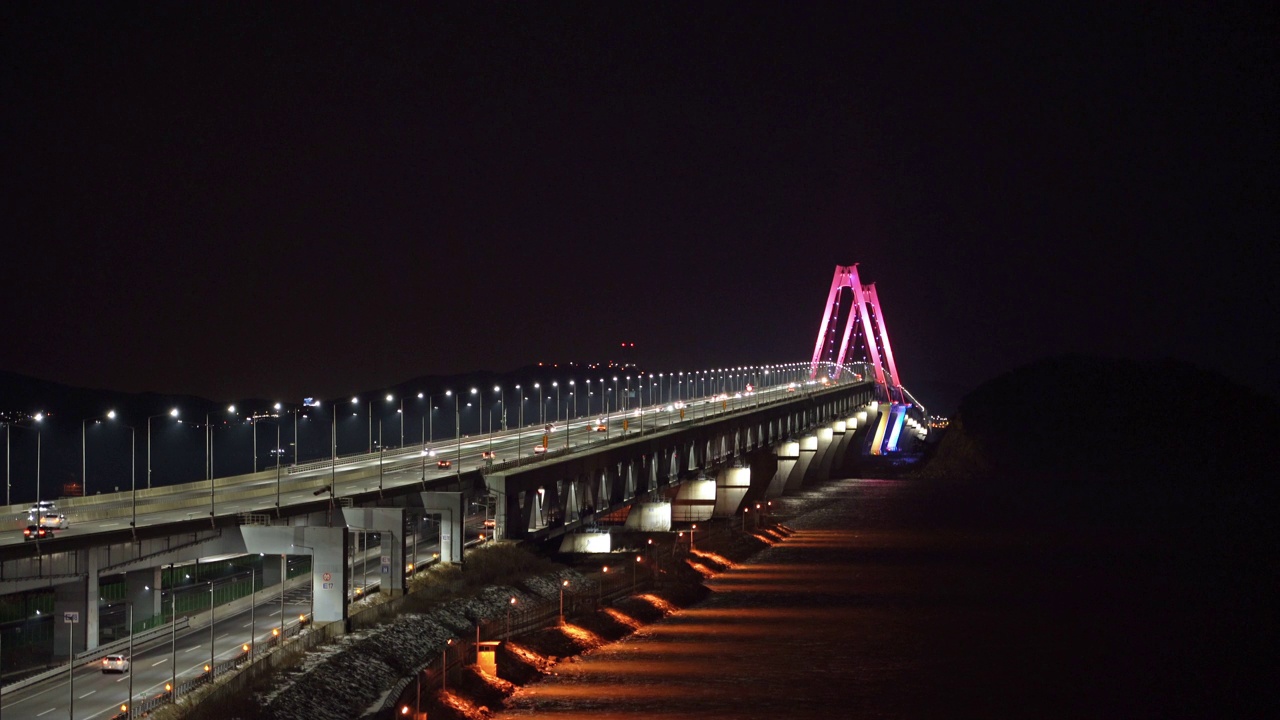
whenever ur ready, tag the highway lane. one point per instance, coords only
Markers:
(99, 695)
(397, 472)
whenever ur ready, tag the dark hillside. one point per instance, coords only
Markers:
(1082, 420)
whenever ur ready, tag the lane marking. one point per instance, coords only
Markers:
(88, 694)
(161, 661)
(46, 712)
(222, 636)
(193, 647)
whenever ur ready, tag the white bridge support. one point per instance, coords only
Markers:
(389, 523)
(813, 472)
(788, 455)
(449, 506)
(327, 547)
(732, 485)
(694, 501)
(808, 450)
(831, 453)
(650, 517)
(80, 597)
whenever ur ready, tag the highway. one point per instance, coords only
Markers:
(98, 695)
(400, 468)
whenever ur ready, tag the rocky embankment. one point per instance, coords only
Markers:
(362, 674)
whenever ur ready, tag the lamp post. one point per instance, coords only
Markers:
(634, 565)
(563, 584)
(541, 414)
(171, 413)
(84, 463)
(211, 627)
(556, 384)
(457, 430)
(401, 411)
(691, 531)
(444, 666)
(37, 418)
(129, 608)
(173, 640)
(600, 596)
(520, 427)
(208, 443)
(502, 407)
(509, 606)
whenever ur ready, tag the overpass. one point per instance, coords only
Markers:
(688, 458)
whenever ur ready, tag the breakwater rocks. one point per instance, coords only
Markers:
(475, 693)
(374, 672)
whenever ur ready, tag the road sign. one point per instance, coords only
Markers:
(386, 569)
(326, 577)
(70, 618)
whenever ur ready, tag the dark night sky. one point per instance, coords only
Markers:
(262, 199)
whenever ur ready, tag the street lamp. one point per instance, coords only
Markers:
(542, 418)
(84, 466)
(457, 430)
(8, 429)
(509, 606)
(502, 406)
(208, 443)
(563, 584)
(556, 384)
(600, 597)
(171, 413)
(575, 401)
(401, 411)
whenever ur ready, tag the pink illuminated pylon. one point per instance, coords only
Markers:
(867, 314)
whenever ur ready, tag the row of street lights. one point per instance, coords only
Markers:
(679, 385)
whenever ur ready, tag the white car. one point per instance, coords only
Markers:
(115, 664)
(53, 521)
(40, 509)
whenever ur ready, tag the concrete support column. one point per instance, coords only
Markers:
(808, 450)
(732, 485)
(822, 461)
(448, 507)
(327, 548)
(788, 455)
(832, 456)
(389, 524)
(694, 501)
(79, 597)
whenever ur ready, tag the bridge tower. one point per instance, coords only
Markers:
(864, 339)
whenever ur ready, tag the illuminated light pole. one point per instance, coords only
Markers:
(457, 432)
(563, 584)
(542, 418)
(211, 626)
(480, 411)
(208, 443)
(444, 666)
(509, 606)
(691, 532)
(401, 411)
(84, 463)
(556, 384)
(171, 413)
(502, 413)
(745, 511)
(572, 394)
(600, 597)
(634, 565)
(520, 427)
